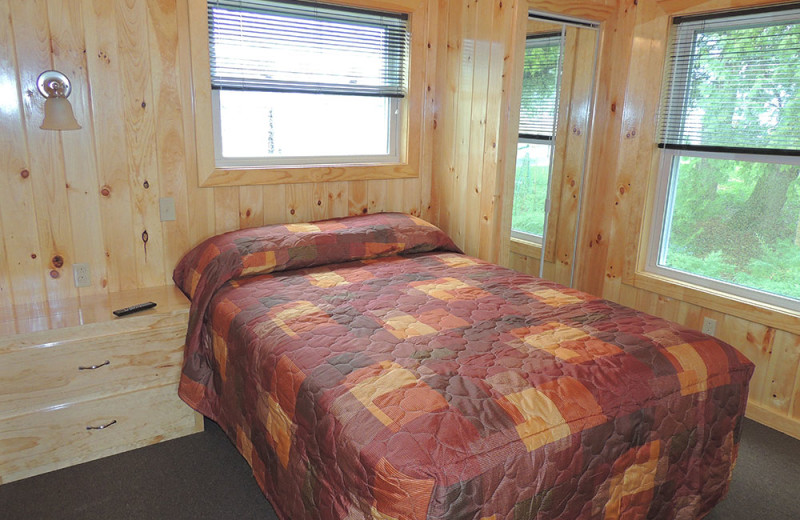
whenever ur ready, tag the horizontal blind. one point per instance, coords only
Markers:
(539, 86)
(307, 47)
(733, 84)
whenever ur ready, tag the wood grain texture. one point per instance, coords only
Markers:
(80, 196)
(80, 167)
(476, 60)
(46, 441)
(73, 364)
(40, 377)
(113, 189)
(23, 260)
(31, 31)
(171, 153)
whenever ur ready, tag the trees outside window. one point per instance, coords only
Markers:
(538, 114)
(729, 210)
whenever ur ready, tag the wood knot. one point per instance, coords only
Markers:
(599, 238)
(248, 213)
(613, 107)
(58, 261)
(319, 202)
(144, 105)
(364, 211)
(25, 173)
(291, 211)
(54, 274)
(33, 255)
(146, 185)
(145, 236)
(622, 190)
(105, 191)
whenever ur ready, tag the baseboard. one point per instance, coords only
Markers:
(773, 418)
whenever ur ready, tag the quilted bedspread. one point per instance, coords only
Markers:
(367, 369)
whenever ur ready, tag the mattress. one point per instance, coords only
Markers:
(365, 368)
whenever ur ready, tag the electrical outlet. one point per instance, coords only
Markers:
(709, 326)
(166, 208)
(83, 277)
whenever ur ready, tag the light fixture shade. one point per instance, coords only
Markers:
(58, 115)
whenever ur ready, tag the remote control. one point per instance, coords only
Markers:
(134, 308)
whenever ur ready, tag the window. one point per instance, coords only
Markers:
(298, 83)
(727, 214)
(538, 114)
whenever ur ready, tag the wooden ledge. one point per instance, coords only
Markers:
(90, 310)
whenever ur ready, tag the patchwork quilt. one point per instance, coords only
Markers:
(365, 368)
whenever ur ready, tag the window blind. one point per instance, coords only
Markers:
(540, 77)
(733, 83)
(307, 47)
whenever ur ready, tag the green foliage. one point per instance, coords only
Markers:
(530, 188)
(715, 233)
(745, 85)
(539, 84)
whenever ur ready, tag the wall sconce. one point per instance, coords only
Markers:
(58, 114)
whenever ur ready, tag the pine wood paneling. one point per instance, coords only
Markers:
(89, 195)
(23, 265)
(67, 40)
(171, 153)
(45, 159)
(108, 125)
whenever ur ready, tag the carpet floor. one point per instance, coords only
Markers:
(202, 476)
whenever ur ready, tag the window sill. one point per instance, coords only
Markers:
(526, 248)
(239, 176)
(757, 312)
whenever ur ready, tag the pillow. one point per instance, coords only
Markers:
(281, 247)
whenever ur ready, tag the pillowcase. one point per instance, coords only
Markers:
(281, 247)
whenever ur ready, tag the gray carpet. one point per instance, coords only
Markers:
(202, 476)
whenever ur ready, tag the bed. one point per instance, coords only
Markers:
(365, 368)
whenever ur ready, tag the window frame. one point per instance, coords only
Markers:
(411, 120)
(531, 239)
(524, 236)
(652, 276)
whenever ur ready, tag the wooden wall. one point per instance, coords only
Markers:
(92, 195)
(477, 115)
(476, 38)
